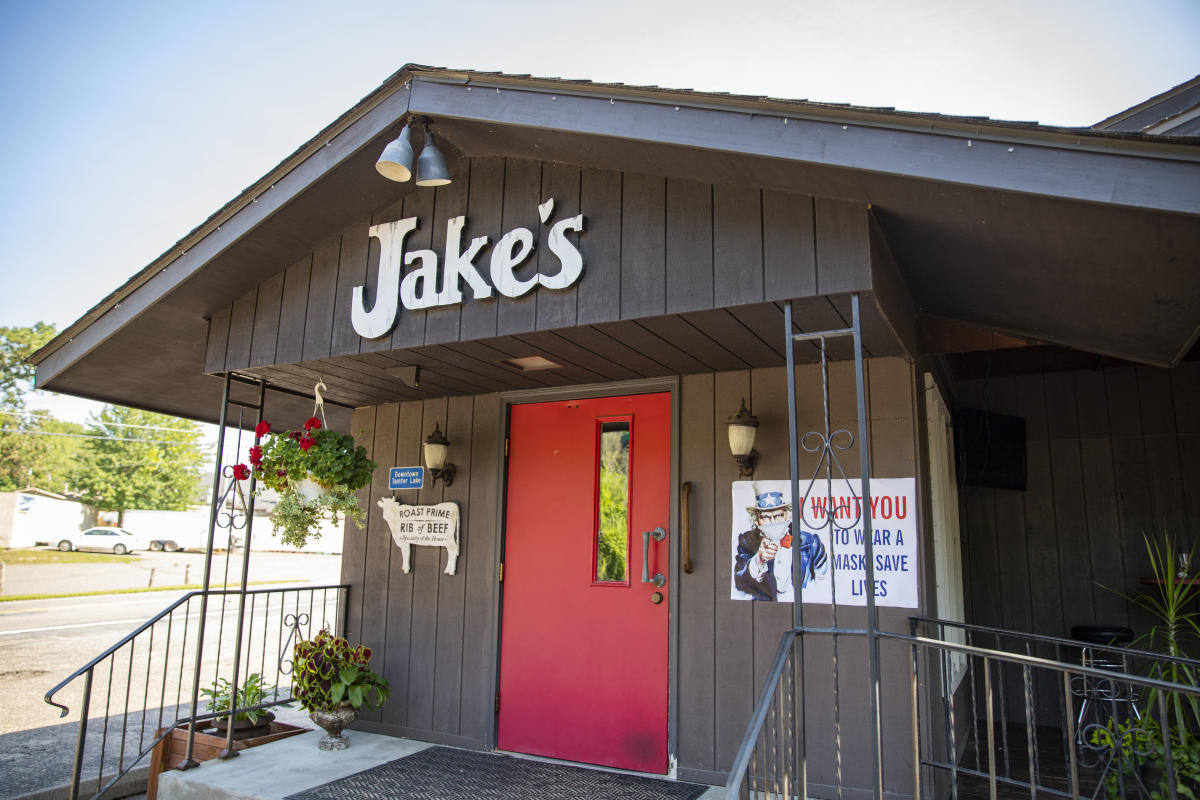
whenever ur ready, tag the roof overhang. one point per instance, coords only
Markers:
(1069, 236)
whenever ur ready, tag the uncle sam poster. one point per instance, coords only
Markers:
(770, 533)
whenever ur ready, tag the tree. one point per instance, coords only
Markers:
(142, 460)
(16, 375)
(35, 449)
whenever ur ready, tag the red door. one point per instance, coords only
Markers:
(583, 660)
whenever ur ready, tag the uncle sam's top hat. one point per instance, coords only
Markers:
(767, 499)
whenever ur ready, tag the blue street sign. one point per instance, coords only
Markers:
(406, 478)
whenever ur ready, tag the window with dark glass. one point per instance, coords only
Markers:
(612, 525)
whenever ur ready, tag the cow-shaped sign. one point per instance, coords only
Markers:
(432, 526)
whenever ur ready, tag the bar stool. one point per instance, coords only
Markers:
(1098, 652)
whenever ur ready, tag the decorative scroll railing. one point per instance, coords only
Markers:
(206, 635)
(1031, 720)
(133, 694)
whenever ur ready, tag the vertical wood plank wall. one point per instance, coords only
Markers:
(432, 632)
(652, 246)
(1113, 455)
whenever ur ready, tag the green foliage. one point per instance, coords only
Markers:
(16, 374)
(151, 467)
(1172, 604)
(1139, 759)
(28, 456)
(253, 692)
(295, 519)
(333, 459)
(32, 454)
(329, 673)
(30, 555)
(613, 546)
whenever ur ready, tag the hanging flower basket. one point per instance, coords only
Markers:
(315, 471)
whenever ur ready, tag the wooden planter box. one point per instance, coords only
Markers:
(171, 750)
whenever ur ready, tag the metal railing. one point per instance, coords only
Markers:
(1039, 719)
(131, 696)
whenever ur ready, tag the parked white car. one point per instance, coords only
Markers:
(108, 540)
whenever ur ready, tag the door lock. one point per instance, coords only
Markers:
(659, 580)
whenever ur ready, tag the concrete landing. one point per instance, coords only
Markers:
(274, 771)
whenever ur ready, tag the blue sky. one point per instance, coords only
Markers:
(127, 123)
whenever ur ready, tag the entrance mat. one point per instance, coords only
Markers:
(446, 773)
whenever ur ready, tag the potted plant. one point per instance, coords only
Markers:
(1137, 745)
(332, 681)
(315, 471)
(222, 696)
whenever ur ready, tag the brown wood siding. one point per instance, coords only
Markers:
(433, 633)
(1111, 454)
(651, 247)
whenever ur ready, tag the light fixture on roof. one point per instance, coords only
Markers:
(396, 161)
(531, 363)
(431, 164)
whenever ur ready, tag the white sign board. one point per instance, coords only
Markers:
(431, 526)
(766, 541)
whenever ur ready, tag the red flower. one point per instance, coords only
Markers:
(312, 424)
(262, 429)
(241, 472)
(256, 456)
(281, 473)
(297, 435)
(307, 442)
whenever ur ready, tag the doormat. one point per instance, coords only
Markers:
(446, 773)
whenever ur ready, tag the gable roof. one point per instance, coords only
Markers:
(1175, 112)
(928, 176)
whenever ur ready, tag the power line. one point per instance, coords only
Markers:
(35, 415)
(108, 438)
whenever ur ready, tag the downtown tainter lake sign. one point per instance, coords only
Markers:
(421, 288)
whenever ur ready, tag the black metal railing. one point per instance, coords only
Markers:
(1042, 718)
(131, 696)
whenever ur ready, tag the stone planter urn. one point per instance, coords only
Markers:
(333, 723)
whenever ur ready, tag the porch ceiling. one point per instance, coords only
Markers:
(735, 338)
(1077, 238)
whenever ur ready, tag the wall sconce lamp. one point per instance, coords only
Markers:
(396, 161)
(742, 427)
(436, 447)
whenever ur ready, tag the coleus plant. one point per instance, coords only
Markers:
(331, 673)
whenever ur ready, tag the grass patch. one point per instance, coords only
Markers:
(192, 587)
(32, 555)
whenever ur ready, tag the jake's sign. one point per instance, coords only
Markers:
(421, 288)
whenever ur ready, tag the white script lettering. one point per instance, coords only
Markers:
(420, 287)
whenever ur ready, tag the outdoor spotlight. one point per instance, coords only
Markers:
(436, 448)
(395, 163)
(742, 427)
(431, 164)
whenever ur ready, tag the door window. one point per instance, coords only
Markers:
(612, 503)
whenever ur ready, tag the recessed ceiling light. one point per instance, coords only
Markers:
(530, 363)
